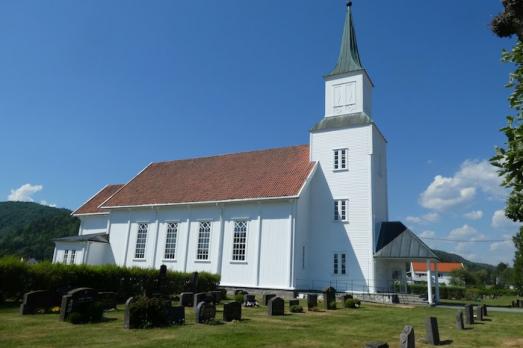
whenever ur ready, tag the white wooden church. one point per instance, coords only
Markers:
(295, 218)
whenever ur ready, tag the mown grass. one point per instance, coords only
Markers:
(501, 301)
(339, 328)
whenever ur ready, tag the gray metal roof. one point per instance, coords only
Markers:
(397, 241)
(94, 237)
(349, 58)
(342, 121)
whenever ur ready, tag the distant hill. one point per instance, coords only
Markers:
(27, 229)
(473, 266)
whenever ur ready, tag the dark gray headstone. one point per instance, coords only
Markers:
(267, 298)
(484, 306)
(276, 306)
(186, 299)
(479, 313)
(459, 321)
(201, 297)
(65, 307)
(178, 315)
(329, 298)
(312, 301)
(469, 314)
(376, 344)
(217, 296)
(294, 303)
(127, 314)
(194, 282)
(407, 338)
(249, 300)
(77, 300)
(108, 299)
(432, 331)
(232, 311)
(205, 312)
(34, 301)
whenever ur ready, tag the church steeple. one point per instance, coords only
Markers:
(348, 88)
(349, 58)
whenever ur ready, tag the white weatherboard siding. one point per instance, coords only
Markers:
(353, 237)
(90, 224)
(61, 247)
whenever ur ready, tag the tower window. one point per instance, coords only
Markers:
(340, 161)
(340, 210)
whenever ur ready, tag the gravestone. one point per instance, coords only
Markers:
(192, 284)
(108, 299)
(276, 306)
(205, 312)
(217, 296)
(432, 331)
(469, 314)
(329, 298)
(267, 298)
(479, 313)
(459, 321)
(312, 301)
(407, 338)
(34, 301)
(178, 315)
(200, 297)
(232, 311)
(249, 300)
(186, 299)
(376, 344)
(77, 300)
(484, 307)
(127, 322)
(293, 303)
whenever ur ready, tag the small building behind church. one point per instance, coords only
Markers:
(302, 217)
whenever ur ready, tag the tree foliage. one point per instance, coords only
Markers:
(509, 159)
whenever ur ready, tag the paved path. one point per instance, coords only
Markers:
(489, 309)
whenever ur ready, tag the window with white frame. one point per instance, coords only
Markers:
(73, 257)
(341, 159)
(204, 238)
(339, 263)
(141, 240)
(170, 241)
(341, 210)
(239, 241)
(66, 256)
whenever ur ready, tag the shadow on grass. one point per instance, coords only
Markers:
(445, 342)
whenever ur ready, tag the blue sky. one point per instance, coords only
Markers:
(93, 91)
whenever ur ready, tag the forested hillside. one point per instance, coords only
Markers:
(27, 229)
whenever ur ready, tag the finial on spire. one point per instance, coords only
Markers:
(349, 3)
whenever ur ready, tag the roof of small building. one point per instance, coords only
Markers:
(396, 241)
(443, 267)
(92, 205)
(94, 237)
(272, 173)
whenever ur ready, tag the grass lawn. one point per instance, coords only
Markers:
(339, 328)
(501, 301)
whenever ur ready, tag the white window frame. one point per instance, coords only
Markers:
(339, 263)
(203, 245)
(141, 240)
(341, 210)
(340, 159)
(171, 240)
(65, 258)
(239, 241)
(72, 259)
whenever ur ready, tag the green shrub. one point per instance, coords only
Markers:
(96, 312)
(17, 278)
(352, 303)
(296, 309)
(238, 298)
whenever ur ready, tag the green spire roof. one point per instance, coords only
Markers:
(349, 58)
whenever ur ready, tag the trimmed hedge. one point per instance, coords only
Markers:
(17, 278)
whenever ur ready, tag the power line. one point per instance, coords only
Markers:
(468, 241)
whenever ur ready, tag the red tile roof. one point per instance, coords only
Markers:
(270, 173)
(443, 267)
(92, 205)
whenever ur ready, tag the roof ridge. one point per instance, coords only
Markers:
(230, 154)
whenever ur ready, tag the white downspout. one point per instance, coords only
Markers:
(188, 236)
(127, 239)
